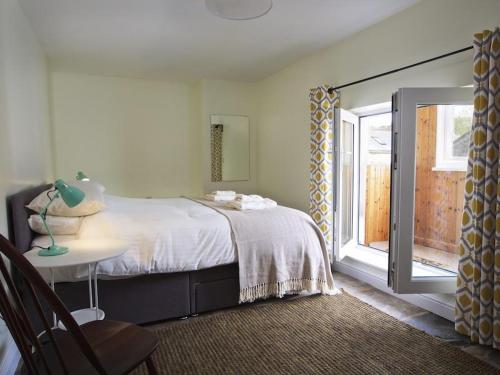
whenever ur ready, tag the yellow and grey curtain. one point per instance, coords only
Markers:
(478, 287)
(321, 168)
(216, 151)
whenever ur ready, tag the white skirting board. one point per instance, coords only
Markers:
(429, 302)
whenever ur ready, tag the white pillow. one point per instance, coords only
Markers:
(91, 204)
(100, 186)
(57, 224)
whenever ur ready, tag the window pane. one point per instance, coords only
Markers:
(439, 193)
(347, 175)
(375, 180)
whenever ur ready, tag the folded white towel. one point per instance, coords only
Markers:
(219, 198)
(249, 198)
(260, 205)
(224, 192)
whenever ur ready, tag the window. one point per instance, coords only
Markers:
(346, 182)
(452, 137)
(427, 202)
(392, 205)
(347, 171)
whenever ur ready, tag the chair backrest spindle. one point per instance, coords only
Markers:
(13, 325)
(22, 317)
(15, 312)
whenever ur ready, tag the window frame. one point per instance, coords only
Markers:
(341, 250)
(406, 101)
(352, 116)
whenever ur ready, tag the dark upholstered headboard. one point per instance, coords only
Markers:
(20, 234)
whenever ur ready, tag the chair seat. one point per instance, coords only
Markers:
(120, 347)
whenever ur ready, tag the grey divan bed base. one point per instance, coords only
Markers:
(140, 299)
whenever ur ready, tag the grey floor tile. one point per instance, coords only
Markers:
(436, 326)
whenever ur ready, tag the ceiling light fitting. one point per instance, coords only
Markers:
(239, 9)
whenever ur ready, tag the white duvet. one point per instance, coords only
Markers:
(162, 236)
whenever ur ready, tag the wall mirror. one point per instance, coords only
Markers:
(230, 148)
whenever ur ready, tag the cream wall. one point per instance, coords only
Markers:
(428, 29)
(228, 98)
(24, 141)
(143, 137)
(138, 137)
(24, 116)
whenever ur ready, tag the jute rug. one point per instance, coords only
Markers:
(312, 335)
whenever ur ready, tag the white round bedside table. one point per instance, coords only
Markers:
(88, 251)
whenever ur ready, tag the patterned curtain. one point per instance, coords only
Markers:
(478, 286)
(216, 151)
(321, 172)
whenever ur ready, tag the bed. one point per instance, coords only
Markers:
(154, 280)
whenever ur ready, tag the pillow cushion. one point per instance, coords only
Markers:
(57, 224)
(100, 186)
(91, 204)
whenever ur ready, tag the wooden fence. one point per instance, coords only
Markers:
(377, 202)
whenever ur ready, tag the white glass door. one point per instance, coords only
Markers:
(346, 181)
(431, 135)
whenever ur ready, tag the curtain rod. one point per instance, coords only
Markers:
(332, 89)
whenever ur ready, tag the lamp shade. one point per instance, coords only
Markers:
(80, 176)
(71, 195)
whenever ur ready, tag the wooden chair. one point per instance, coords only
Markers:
(98, 347)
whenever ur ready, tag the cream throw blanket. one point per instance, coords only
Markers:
(280, 251)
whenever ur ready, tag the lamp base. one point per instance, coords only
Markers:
(53, 250)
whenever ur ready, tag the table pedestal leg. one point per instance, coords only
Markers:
(91, 302)
(86, 315)
(52, 286)
(96, 293)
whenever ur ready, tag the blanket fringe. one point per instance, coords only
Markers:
(281, 288)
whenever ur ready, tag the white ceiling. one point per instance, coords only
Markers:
(181, 39)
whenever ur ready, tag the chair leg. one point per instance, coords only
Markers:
(151, 366)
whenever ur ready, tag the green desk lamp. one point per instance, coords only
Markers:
(80, 176)
(72, 196)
